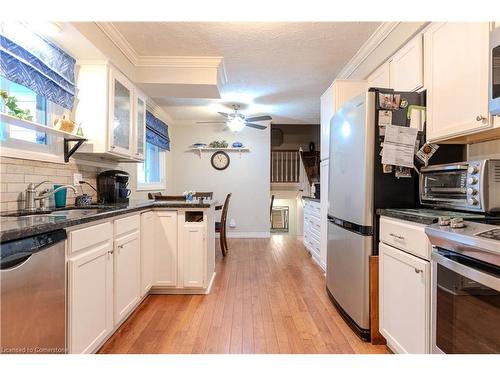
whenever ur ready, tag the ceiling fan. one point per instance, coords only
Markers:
(237, 121)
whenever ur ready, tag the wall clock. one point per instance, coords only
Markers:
(220, 160)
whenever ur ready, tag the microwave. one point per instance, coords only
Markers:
(469, 186)
(494, 73)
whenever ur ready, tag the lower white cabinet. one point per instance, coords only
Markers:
(165, 252)
(323, 232)
(90, 297)
(127, 255)
(312, 228)
(194, 263)
(148, 222)
(404, 307)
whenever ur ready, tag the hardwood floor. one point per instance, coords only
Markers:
(268, 297)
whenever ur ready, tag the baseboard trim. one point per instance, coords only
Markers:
(246, 235)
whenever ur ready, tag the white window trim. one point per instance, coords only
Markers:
(162, 185)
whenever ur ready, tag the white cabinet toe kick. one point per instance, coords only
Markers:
(114, 264)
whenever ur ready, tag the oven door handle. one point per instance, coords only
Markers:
(469, 272)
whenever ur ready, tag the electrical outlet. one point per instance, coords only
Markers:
(232, 223)
(77, 177)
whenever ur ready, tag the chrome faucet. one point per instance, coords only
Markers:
(32, 197)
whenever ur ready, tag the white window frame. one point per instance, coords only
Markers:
(51, 152)
(162, 185)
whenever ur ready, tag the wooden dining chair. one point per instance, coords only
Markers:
(170, 197)
(153, 195)
(220, 227)
(204, 194)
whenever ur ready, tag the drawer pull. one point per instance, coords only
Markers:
(396, 236)
(480, 118)
(418, 271)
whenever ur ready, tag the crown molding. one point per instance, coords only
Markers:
(119, 41)
(137, 60)
(367, 48)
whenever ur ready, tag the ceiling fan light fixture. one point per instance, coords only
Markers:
(236, 124)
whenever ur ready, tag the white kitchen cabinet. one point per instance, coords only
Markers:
(127, 255)
(139, 135)
(193, 254)
(90, 297)
(166, 249)
(312, 227)
(407, 66)
(111, 112)
(323, 238)
(339, 92)
(456, 79)
(148, 222)
(404, 300)
(380, 77)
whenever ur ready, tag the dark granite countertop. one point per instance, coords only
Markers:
(426, 216)
(16, 227)
(310, 198)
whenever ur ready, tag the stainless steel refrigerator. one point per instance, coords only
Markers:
(357, 186)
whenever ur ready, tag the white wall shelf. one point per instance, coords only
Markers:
(214, 149)
(68, 137)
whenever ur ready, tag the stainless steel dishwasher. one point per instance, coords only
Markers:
(33, 295)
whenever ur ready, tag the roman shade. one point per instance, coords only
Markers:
(157, 132)
(29, 59)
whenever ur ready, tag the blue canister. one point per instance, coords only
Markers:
(60, 197)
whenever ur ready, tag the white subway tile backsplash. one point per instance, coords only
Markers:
(16, 174)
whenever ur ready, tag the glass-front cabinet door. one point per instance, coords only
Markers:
(140, 126)
(120, 115)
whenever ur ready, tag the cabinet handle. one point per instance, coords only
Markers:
(480, 118)
(110, 252)
(396, 236)
(418, 271)
(120, 246)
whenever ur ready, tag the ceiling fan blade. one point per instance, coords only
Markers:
(223, 114)
(256, 126)
(210, 122)
(258, 118)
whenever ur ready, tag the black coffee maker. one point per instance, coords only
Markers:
(112, 186)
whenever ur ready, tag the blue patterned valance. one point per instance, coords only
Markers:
(30, 60)
(157, 132)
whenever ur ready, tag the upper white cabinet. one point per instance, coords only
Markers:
(456, 79)
(111, 112)
(140, 126)
(339, 92)
(404, 301)
(407, 66)
(380, 77)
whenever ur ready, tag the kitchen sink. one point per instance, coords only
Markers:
(76, 212)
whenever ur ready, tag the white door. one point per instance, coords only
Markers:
(456, 78)
(140, 126)
(90, 298)
(193, 252)
(380, 77)
(404, 307)
(407, 66)
(120, 114)
(326, 115)
(126, 274)
(165, 252)
(147, 251)
(323, 210)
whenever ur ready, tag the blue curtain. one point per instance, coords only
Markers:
(31, 60)
(157, 132)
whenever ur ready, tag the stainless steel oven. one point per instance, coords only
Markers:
(469, 186)
(466, 304)
(494, 86)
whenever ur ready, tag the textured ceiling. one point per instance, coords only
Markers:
(275, 68)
